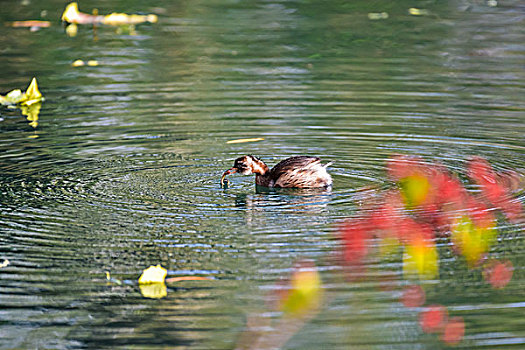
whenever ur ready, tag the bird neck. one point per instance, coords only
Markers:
(260, 168)
(262, 173)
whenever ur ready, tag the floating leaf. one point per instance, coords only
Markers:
(72, 15)
(32, 94)
(81, 63)
(418, 12)
(116, 19)
(153, 274)
(30, 24)
(186, 278)
(246, 140)
(12, 97)
(4, 263)
(112, 280)
(377, 15)
(29, 101)
(78, 63)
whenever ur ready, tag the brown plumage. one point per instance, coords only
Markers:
(293, 172)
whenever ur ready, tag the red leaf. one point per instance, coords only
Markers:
(433, 318)
(454, 331)
(498, 274)
(355, 236)
(413, 296)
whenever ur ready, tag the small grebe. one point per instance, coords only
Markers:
(293, 172)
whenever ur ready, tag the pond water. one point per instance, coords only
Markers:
(122, 169)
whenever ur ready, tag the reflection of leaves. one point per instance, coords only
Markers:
(72, 30)
(32, 113)
(153, 290)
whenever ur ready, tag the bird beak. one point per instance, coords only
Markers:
(227, 172)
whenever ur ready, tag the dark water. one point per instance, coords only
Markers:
(122, 170)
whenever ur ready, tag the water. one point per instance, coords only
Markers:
(122, 170)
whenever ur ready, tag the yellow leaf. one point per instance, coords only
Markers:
(472, 241)
(420, 260)
(415, 190)
(29, 101)
(78, 63)
(14, 96)
(388, 245)
(4, 263)
(246, 140)
(377, 15)
(32, 94)
(418, 12)
(70, 13)
(306, 292)
(153, 274)
(122, 18)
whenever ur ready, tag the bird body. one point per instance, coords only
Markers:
(293, 172)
